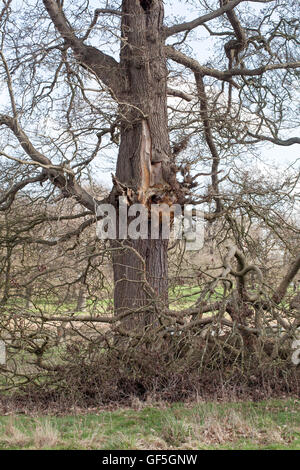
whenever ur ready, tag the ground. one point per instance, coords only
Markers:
(273, 424)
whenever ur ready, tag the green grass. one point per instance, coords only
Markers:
(185, 296)
(273, 424)
(180, 296)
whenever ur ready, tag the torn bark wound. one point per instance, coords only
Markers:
(145, 157)
(151, 172)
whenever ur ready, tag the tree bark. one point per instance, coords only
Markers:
(141, 281)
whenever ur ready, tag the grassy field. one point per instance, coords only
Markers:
(271, 424)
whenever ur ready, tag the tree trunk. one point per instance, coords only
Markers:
(81, 299)
(28, 296)
(141, 270)
(141, 281)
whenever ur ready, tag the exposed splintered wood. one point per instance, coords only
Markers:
(153, 188)
(145, 157)
(151, 172)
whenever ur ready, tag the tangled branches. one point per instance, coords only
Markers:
(221, 326)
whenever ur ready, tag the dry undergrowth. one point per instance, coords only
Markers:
(46, 435)
(42, 435)
(213, 428)
(232, 426)
(199, 428)
(13, 436)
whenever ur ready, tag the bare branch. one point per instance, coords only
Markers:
(276, 140)
(209, 140)
(226, 75)
(105, 67)
(260, 70)
(10, 195)
(282, 288)
(195, 66)
(66, 183)
(179, 94)
(98, 12)
(189, 25)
